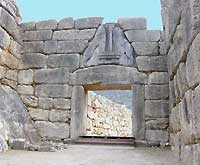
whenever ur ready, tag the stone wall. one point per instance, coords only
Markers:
(60, 55)
(181, 21)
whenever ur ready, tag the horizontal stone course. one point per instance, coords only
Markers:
(157, 124)
(87, 23)
(39, 114)
(28, 26)
(29, 100)
(156, 92)
(132, 23)
(66, 23)
(45, 103)
(159, 78)
(48, 24)
(39, 35)
(156, 135)
(25, 89)
(60, 103)
(50, 47)
(33, 47)
(25, 77)
(59, 116)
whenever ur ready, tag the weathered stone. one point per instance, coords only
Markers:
(175, 119)
(72, 46)
(29, 100)
(45, 25)
(10, 83)
(25, 77)
(2, 72)
(70, 61)
(138, 113)
(59, 116)
(11, 75)
(25, 89)
(176, 90)
(5, 39)
(157, 124)
(50, 47)
(172, 98)
(146, 48)
(143, 35)
(15, 48)
(9, 60)
(18, 144)
(40, 35)
(158, 78)
(109, 49)
(106, 75)
(28, 26)
(62, 103)
(156, 135)
(132, 23)
(86, 23)
(39, 114)
(45, 103)
(33, 61)
(54, 76)
(157, 108)
(87, 34)
(53, 131)
(53, 90)
(66, 23)
(33, 47)
(155, 92)
(153, 63)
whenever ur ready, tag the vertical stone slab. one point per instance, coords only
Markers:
(78, 118)
(138, 116)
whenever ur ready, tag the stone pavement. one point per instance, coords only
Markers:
(91, 155)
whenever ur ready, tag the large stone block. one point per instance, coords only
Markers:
(152, 63)
(159, 78)
(157, 124)
(33, 47)
(62, 103)
(29, 100)
(146, 48)
(40, 35)
(132, 23)
(5, 39)
(25, 89)
(87, 34)
(39, 114)
(157, 108)
(11, 75)
(175, 125)
(59, 116)
(45, 103)
(70, 61)
(53, 90)
(2, 72)
(106, 75)
(54, 76)
(155, 92)
(50, 47)
(7, 59)
(45, 25)
(53, 131)
(25, 77)
(28, 26)
(143, 35)
(88, 23)
(72, 46)
(33, 61)
(66, 23)
(156, 136)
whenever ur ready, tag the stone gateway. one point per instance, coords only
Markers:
(47, 68)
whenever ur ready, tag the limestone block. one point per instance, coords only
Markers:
(45, 25)
(5, 39)
(39, 35)
(29, 100)
(106, 74)
(72, 46)
(25, 77)
(59, 116)
(155, 92)
(25, 89)
(62, 103)
(33, 47)
(157, 108)
(66, 23)
(11, 75)
(2, 72)
(158, 78)
(39, 114)
(156, 136)
(172, 98)
(53, 131)
(15, 48)
(176, 89)
(33, 61)
(152, 63)
(18, 144)
(28, 26)
(132, 23)
(54, 76)
(193, 63)
(88, 23)
(175, 141)
(9, 60)
(70, 61)
(45, 103)
(50, 47)
(157, 124)
(143, 35)
(146, 48)
(10, 83)
(53, 90)
(175, 125)
(86, 34)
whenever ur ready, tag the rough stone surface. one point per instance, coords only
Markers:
(156, 92)
(45, 103)
(5, 39)
(62, 103)
(39, 114)
(66, 23)
(92, 22)
(59, 116)
(25, 77)
(39, 35)
(156, 135)
(159, 78)
(44, 25)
